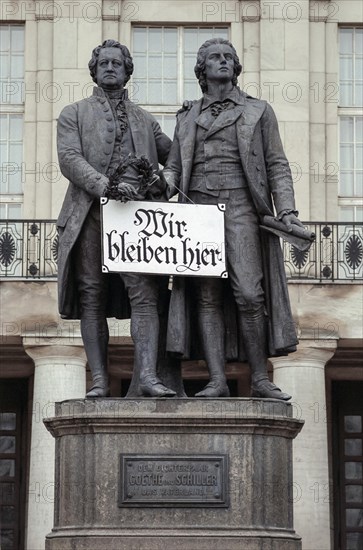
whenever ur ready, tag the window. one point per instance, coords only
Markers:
(351, 67)
(11, 119)
(351, 124)
(164, 59)
(13, 452)
(347, 464)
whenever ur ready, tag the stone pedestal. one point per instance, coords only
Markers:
(169, 474)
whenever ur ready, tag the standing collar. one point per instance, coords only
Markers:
(233, 95)
(117, 94)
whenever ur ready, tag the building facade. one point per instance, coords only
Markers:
(306, 58)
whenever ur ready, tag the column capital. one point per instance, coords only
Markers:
(310, 352)
(54, 350)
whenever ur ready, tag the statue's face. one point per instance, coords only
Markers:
(219, 64)
(110, 73)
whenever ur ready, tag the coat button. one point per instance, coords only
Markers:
(109, 118)
(110, 128)
(98, 177)
(254, 152)
(103, 100)
(106, 109)
(103, 163)
(107, 152)
(109, 140)
(258, 168)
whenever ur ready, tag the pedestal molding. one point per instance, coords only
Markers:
(287, 429)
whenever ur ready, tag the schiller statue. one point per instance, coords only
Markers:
(227, 149)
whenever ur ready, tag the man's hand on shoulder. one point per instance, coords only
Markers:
(187, 105)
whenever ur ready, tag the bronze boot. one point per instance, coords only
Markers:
(211, 326)
(253, 327)
(145, 334)
(95, 340)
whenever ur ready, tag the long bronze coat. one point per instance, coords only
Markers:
(268, 175)
(85, 139)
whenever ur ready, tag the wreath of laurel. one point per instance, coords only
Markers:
(145, 175)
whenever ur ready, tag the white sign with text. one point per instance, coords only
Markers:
(163, 238)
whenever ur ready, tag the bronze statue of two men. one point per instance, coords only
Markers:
(226, 149)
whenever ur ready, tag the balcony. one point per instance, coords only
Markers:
(29, 249)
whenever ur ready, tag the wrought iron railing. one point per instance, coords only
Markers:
(29, 250)
(336, 254)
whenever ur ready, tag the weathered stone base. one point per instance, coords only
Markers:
(255, 437)
(192, 540)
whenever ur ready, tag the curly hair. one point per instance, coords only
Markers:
(199, 68)
(129, 66)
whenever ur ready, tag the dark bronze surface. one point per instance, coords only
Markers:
(227, 149)
(99, 139)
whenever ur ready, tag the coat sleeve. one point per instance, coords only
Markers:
(162, 142)
(72, 163)
(277, 166)
(172, 170)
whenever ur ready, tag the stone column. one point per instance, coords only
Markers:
(302, 374)
(59, 374)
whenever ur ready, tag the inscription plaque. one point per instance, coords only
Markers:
(173, 480)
